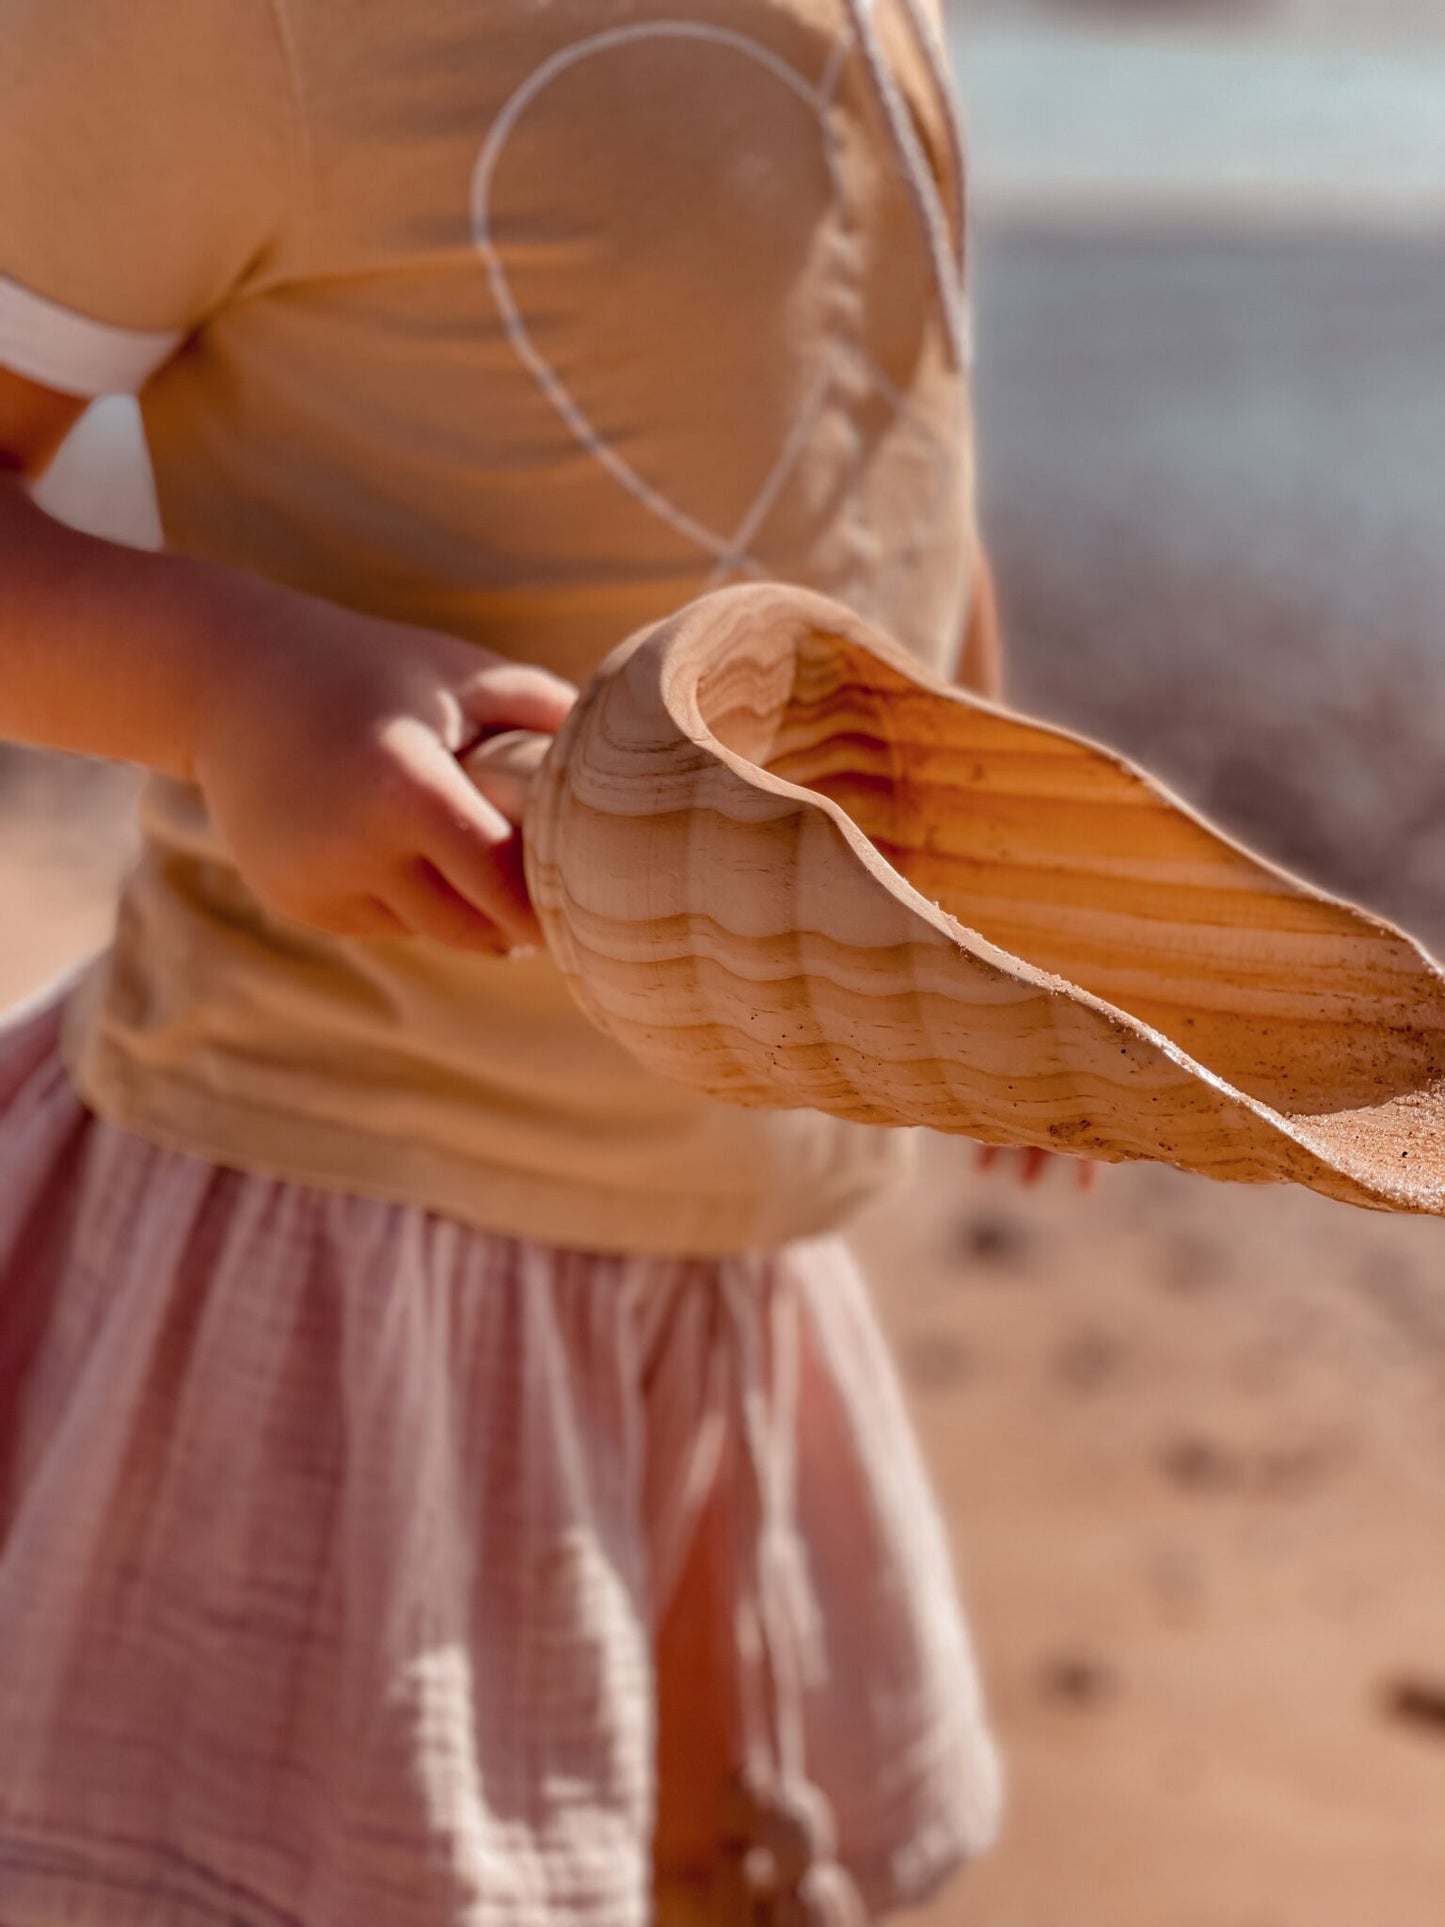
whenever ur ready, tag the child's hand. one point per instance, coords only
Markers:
(327, 757)
(1027, 1164)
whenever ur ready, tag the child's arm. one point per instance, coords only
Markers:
(324, 741)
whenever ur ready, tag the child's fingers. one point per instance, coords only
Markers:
(1028, 1164)
(492, 881)
(517, 696)
(1021, 1161)
(471, 844)
(430, 907)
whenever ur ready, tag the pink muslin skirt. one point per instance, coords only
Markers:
(359, 1569)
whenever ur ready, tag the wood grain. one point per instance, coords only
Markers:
(779, 862)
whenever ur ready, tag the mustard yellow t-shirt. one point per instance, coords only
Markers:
(527, 320)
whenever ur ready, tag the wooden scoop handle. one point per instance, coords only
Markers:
(504, 768)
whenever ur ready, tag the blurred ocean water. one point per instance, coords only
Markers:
(1066, 123)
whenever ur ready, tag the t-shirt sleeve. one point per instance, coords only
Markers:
(151, 156)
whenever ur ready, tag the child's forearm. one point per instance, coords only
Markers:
(109, 651)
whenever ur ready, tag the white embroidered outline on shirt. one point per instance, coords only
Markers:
(731, 554)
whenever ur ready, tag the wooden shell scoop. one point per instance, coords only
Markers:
(777, 861)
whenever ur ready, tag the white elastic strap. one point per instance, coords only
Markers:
(938, 243)
(930, 43)
(67, 351)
